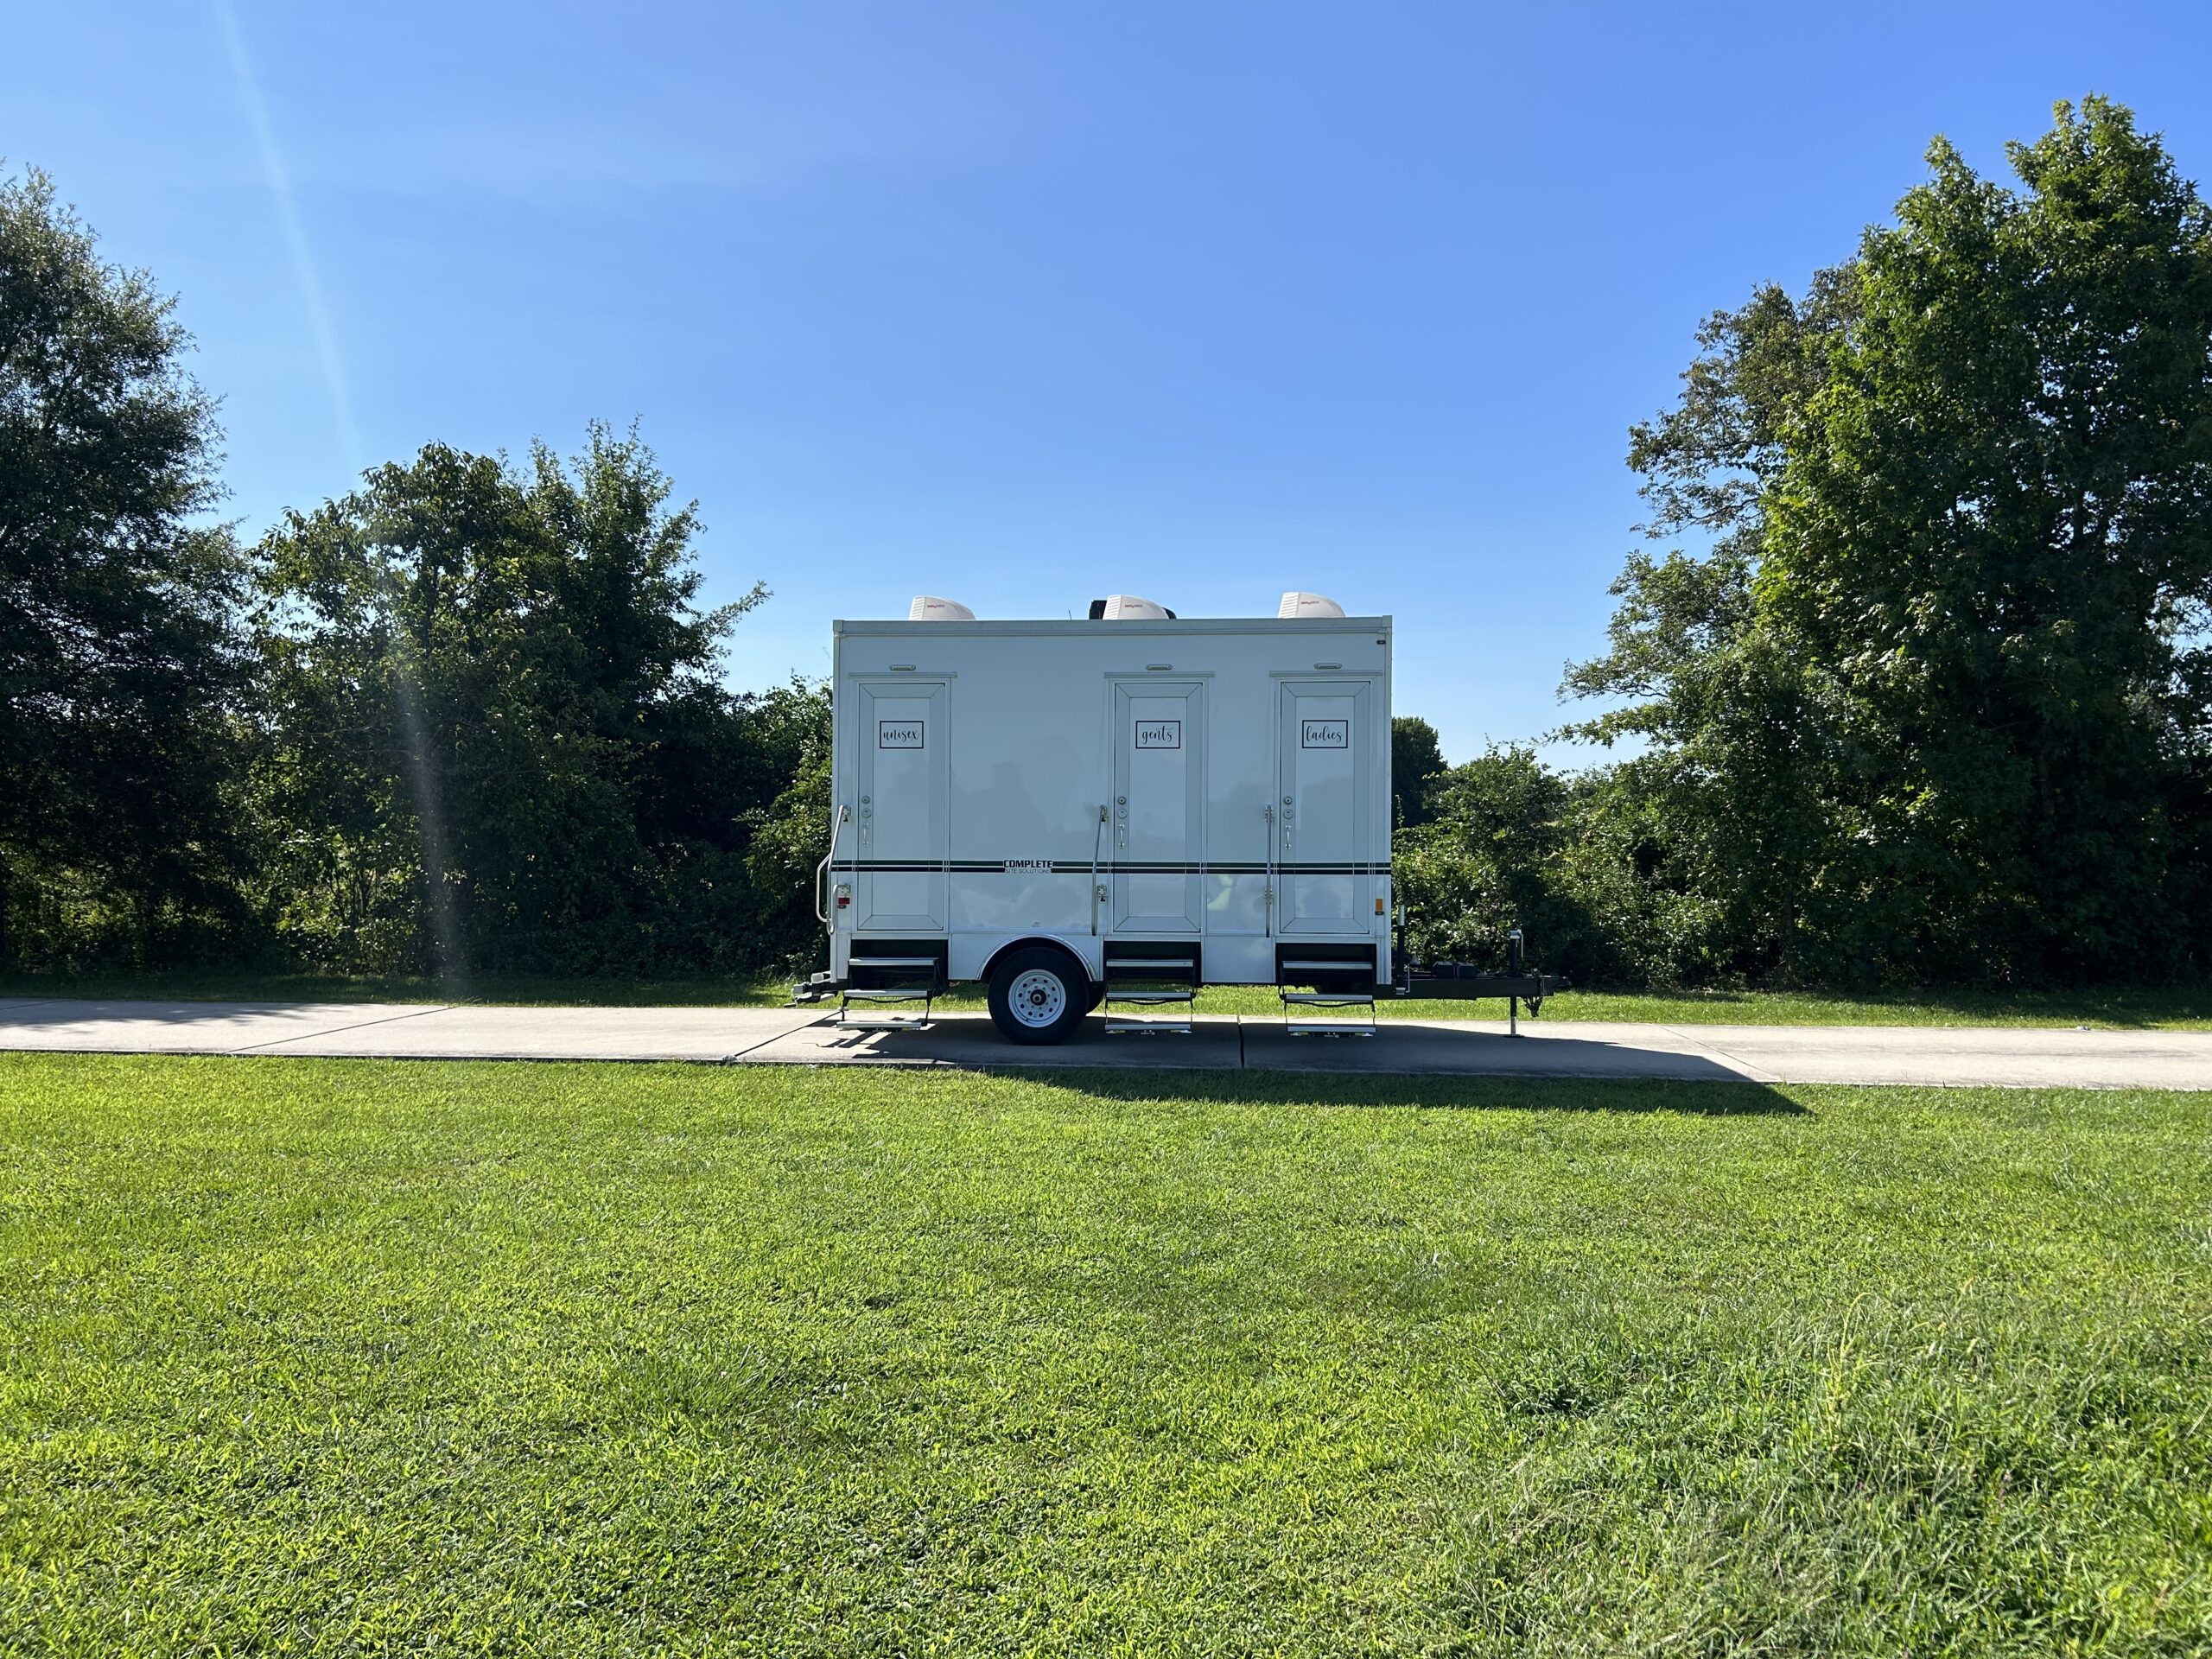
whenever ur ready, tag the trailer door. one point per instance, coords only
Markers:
(902, 739)
(1158, 827)
(1323, 862)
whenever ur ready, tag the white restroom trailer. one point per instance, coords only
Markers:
(1122, 809)
(1139, 802)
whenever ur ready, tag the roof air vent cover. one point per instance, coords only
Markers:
(1128, 607)
(928, 608)
(1310, 605)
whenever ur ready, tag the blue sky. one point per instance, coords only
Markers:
(1026, 303)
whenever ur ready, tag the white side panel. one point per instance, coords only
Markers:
(1158, 825)
(987, 833)
(1323, 838)
(903, 742)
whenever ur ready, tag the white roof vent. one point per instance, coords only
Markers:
(1308, 605)
(928, 608)
(1128, 607)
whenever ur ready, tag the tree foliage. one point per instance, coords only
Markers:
(1416, 762)
(1490, 860)
(499, 737)
(1932, 702)
(119, 645)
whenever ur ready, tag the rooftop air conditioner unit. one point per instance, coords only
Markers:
(928, 608)
(1128, 607)
(1308, 605)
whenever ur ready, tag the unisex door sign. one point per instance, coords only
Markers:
(1325, 735)
(898, 733)
(1159, 734)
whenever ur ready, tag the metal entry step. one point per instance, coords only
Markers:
(1341, 1000)
(848, 1021)
(1169, 981)
(898, 979)
(1298, 1025)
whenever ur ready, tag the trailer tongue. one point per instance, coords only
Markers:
(1463, 981)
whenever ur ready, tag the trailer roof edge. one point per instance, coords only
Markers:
(1184, 624)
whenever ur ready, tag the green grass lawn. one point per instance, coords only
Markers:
(327, 1356)
(2170, 1008)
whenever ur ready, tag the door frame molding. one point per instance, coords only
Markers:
(867, 686)
(1356, 680)
(1197, 778)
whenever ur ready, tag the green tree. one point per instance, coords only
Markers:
(499, 737)
(791, 834)
(119, 637)
(1491, 859)
(1935, 700)
(1416, 762)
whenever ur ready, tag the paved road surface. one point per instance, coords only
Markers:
(1866, 1054)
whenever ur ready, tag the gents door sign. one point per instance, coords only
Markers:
(1324, 733)
(1159, 734)
(898, 733)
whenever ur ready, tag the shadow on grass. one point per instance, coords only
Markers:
(1728, 1098)
(1438, 1058)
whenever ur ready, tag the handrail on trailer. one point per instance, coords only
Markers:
(821, 897)
(1267, 877)
(1097, 892)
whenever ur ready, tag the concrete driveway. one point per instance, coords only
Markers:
(1931, 1056)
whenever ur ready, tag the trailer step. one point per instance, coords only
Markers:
(1168, 982)
(1297, 1025)
(873, 1021)
(1127, 1024)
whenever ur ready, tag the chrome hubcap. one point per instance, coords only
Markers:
(1037, 997)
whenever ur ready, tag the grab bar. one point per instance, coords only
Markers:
(1267, 892)
(821, 893)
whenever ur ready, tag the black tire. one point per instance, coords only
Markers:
(1039, 995)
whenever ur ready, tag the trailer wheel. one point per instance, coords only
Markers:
(1039, 995)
